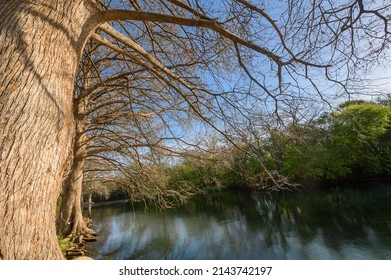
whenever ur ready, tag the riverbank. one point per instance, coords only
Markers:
(74, 247)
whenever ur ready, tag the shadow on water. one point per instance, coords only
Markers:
(341, 223)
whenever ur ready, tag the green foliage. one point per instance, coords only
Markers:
(352, 142)
(365, 121)
(228, 168)
(185, 173)
(204, 173)
(360, 133)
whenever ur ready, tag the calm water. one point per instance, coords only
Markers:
(337, 224)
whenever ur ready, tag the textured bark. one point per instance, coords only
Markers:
(40, 46)
(72, 223)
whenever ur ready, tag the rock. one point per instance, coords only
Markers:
(82, 258)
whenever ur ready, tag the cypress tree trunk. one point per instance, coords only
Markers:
(72, 222)
(40, 46)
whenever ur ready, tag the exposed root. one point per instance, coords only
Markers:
(80, 235)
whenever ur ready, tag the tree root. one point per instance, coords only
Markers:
(80, 237)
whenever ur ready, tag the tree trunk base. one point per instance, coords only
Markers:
(80, 238)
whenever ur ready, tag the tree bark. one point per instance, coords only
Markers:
(72, 222)
(40, 47)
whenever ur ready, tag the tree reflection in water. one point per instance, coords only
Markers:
(237, 225)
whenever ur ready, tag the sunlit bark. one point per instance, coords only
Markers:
(40, 46)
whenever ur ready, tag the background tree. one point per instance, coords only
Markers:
(350, 142)
(361, 135)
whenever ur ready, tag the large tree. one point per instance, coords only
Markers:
(41, 43)
(122, 130)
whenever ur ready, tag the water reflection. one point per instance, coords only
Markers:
(348, 224)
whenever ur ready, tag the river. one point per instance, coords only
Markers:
(342, 223)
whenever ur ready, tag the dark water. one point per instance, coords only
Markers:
(335, 224)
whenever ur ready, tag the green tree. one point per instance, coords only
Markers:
(359, 135)
(354, 141)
